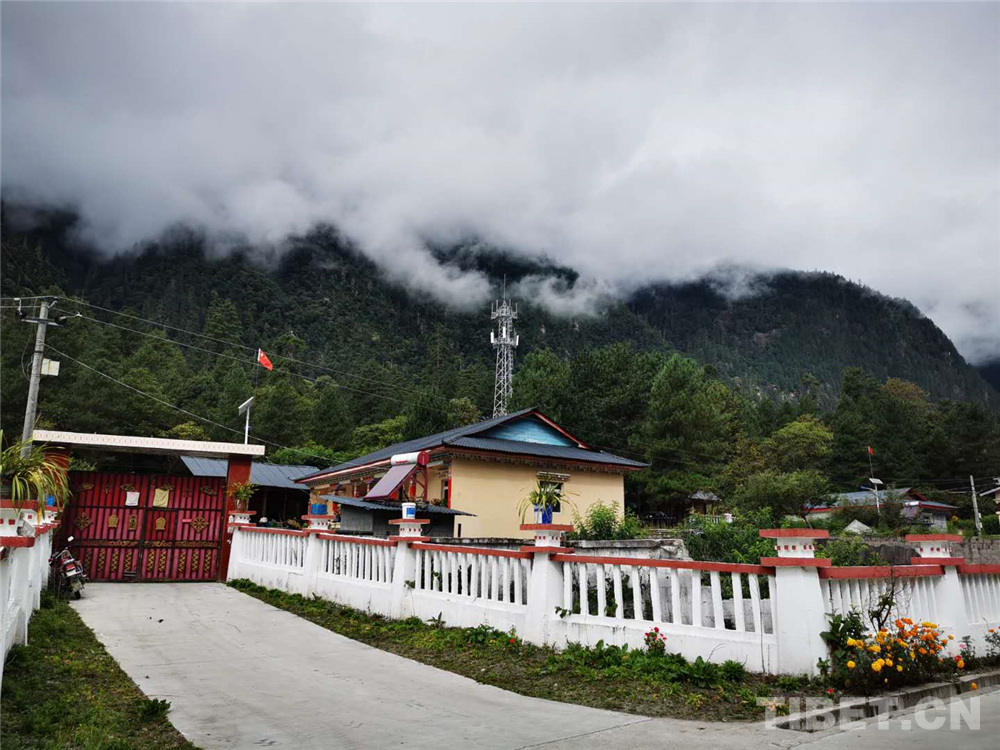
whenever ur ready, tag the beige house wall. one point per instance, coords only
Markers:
(493, 491)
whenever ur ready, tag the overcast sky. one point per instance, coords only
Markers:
(633, 143)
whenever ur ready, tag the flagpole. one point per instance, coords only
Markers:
(871, 471)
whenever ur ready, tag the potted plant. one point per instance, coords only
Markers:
(31, 477)
(240, 493)
(543, 499)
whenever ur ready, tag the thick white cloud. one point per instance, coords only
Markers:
(633, 143)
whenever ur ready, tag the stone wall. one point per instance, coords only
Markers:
(898, 552)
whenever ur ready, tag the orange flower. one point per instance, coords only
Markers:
(974, 686)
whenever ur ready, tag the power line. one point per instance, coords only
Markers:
(212, 422)
(845, 479)
(243, 361)
(414, 391)
(284, 358)
(628, 451)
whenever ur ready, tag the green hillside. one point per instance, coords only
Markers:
(361, 361)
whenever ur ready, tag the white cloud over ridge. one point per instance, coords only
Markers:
(633, 143)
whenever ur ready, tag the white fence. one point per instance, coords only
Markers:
(702, 607)
(766, 616)
(24, 572)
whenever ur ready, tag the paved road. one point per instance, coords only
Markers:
(242, 674)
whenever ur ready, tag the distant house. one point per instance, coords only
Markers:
(278, 497)
(916, 507)
(485, 469)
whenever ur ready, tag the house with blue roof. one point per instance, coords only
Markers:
(915, 507)
(484, 470)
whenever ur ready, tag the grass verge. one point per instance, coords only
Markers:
(634, 681)
(63, 690)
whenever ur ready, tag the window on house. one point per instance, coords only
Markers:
(446, 493)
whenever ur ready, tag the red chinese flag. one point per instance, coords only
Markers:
(263, 361)
(870, 451)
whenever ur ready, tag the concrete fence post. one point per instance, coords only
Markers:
(952, 609)
(310, 562)
(797, 607)
(545, 586)
(235, 538)
(405, 565)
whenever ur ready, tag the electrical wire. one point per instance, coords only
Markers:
(627, 451)
(212, 422)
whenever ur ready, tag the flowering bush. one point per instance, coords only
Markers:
(905, 654)
(656, 642)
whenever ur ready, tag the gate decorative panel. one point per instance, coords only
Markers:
(153, 528)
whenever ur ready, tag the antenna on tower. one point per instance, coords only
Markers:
(504, 340)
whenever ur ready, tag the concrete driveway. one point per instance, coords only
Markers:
(242, 674)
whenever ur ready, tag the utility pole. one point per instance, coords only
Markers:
(505, 341)
(975, 506)
(42, 321)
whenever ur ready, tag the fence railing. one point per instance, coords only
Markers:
(24, 572)
(491, 575)
(904, 589)
(767, 616)
(358, 558)
(981, 594)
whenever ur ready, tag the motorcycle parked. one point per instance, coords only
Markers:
(69, 575)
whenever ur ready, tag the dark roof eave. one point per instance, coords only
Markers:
(637, 466)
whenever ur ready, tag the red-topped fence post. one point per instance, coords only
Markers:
(545, 584)
(797, 606)
(404, 565)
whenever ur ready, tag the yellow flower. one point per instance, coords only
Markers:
(875, 648)
(888, 662)
(961, 664)
(899, 667)
(928, 624)
(877, 666)
(851, 665)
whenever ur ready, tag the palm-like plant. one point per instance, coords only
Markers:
(542, 496)
(33, 476)
(240, 493)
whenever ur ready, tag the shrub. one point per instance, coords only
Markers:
(906, 654)
(733, 671)
(993, 644)
(656, 642)
(736, 542)
(603, 522)
(850, 551)
(153, 708)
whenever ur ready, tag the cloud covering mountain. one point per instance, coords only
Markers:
(633, 143)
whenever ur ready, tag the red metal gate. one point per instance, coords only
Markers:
(147, 528)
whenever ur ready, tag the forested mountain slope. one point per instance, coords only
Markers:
(345, 313)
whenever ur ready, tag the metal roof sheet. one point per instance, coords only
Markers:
(357, 502)
(265, 475)
(452, 437)
(543, 451)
